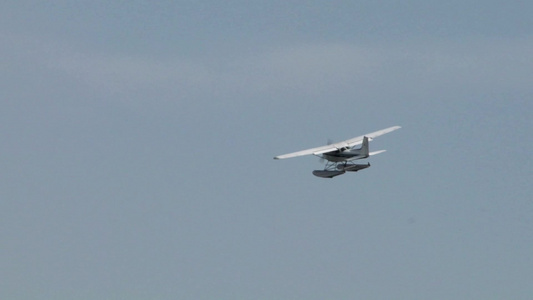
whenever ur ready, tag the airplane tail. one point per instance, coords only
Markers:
(364, 148)
(363, 152)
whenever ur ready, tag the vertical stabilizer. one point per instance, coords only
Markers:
(364, 147)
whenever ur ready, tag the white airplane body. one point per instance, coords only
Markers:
(339, 154)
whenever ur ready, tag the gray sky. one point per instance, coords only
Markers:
(137, 140)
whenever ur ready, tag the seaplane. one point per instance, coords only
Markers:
(339, 156)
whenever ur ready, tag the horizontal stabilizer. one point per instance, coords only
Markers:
(376, 152)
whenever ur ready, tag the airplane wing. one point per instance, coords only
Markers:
(336, 146)
(359, 140)
(314, 151)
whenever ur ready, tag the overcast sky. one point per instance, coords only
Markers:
(137, 140)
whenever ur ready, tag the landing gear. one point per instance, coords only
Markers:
(332, 169)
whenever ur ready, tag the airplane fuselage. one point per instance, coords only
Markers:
(346, 154)
(338, 156)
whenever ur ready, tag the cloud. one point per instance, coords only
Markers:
(322, 69)
(476, 63)
(314, 70)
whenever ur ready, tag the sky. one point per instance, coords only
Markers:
(137, 142)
